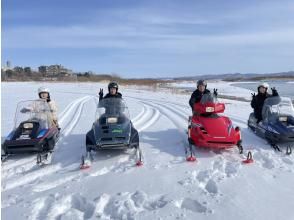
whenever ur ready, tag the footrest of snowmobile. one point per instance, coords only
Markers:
(249, 158)
(44, 158)
(139, 163)
(86, 163)
(191, 159)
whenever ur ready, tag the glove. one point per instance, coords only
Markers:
(253, 95)
(274, 91)
(24, 110)
(101, 93)
(215, 92)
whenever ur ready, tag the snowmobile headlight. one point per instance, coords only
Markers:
(112, 120)
(209, 109)
(28, 125)
(283, 118)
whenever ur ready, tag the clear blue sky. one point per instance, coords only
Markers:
(149, 38)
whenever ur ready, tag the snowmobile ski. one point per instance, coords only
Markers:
(44, 158)
(288, 150)
(86, 161)
(139, 157)
(190, 156)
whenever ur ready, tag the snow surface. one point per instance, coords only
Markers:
(223, 88)
(217, 186)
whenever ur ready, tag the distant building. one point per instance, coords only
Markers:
(55, 70)
(43, 69)
(7, 66)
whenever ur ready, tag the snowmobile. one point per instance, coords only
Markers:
(33, 132)
(112, 129)
(208, 129)
(277, 125)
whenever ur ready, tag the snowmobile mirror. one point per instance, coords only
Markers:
(111, 120)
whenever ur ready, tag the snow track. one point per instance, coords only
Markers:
(218, 186)
(146, 118)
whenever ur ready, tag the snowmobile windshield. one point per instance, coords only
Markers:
(208, 98)
(33, 111)
(112, 108)
(276, 107)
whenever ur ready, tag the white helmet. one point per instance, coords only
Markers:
(264, 84)
(43, 89)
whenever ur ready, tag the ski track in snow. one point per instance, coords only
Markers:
(23, 172)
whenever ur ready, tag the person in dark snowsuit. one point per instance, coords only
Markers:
(199, 92)
(113, 93)
(258, 100)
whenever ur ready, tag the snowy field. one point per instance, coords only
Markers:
(217, 186)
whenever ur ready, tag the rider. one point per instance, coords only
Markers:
(112, 92)
(44, 94)
(199, 92)
(258, 100)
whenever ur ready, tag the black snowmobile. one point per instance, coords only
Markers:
(33, 132)
(112, 129)
(277, 125)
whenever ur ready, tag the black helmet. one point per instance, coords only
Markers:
(201, 82)
(112, 85)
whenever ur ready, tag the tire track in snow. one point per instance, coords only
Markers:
(150, 116)
(73, 108)
(175, 117)
(141, 114)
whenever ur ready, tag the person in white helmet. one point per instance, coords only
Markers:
(44, 93)
(258, 100)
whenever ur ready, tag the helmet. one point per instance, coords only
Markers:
(43, 89)
(112, 85)
(264, 84)
(201, 82)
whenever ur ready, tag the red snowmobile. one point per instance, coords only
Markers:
(209, 129)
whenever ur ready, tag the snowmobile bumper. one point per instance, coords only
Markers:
(109, 145)
(22, 146)
(217, 144)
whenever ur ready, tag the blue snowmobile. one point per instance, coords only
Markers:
(277, 126)
(113, 130)
(33, 132)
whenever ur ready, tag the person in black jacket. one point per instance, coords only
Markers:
(199, 92)
(112, 92)
(258, 100)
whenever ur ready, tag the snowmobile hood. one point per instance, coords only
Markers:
(218, 126)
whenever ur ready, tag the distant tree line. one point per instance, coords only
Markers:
(27, 74)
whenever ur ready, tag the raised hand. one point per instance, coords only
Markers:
(274, 91)
(215, 92)
(101, 93)
(253, 95)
